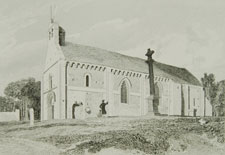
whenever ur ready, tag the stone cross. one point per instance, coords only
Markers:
(31, 117)
(149, 53)
(151, 72)
(152, 106)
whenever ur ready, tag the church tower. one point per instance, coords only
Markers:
(53, 80)
(56, 32)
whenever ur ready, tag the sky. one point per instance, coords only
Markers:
(183, 33)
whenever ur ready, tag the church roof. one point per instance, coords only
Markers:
(93, 55)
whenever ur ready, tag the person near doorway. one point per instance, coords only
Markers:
(76, 104)
(102, 107)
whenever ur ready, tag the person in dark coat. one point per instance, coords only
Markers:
(102, 107)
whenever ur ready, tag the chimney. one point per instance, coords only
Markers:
(62, 35)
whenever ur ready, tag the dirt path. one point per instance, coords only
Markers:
(120, 136)
(18, 146)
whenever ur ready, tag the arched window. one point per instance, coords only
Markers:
(87, 81)
(124, 93)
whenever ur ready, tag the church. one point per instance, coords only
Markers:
(77, 78)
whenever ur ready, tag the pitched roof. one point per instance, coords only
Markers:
(93, 55)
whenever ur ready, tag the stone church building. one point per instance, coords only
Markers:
(87, 75)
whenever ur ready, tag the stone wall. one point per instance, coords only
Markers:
(90, 96)
(76, 77)
(134, 83)
(54, 73)
(10, 116)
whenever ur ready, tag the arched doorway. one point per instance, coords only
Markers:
(77, 110)
(51, 102)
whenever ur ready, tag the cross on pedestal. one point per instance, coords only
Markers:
(152, 106)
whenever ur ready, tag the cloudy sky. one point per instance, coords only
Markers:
(185, 33)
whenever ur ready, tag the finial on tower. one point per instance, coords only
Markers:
(52, 13)
(51, 17)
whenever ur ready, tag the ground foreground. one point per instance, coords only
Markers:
(115, 136)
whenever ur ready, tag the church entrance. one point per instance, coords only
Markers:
(51, 102)
(78, 106)
(77, 110)
(195, 112)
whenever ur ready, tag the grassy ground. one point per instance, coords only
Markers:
(119, 135)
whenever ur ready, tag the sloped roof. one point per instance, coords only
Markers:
(93, 55)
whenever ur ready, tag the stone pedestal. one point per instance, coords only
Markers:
(156, 106)
(150, 106)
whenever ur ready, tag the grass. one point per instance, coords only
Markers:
(148, 135)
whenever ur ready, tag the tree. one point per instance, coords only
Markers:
(27, 92)
(13, 89)
(2, 104)
(221, 99)
(210, 87)
(6, 104)
(32, 90)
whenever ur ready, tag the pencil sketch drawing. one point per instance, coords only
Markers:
(110, 77)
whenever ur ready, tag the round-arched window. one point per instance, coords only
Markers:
(124, 93)
(87, 81)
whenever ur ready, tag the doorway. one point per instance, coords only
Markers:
(51, 105)
(195, 112)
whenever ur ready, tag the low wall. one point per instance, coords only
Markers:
(9, 116)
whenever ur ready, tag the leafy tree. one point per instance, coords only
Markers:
(221, 98)
(27, 92)
(210, 87)
(13, 89)
(6, 104)
(2, 104)
(32, 90)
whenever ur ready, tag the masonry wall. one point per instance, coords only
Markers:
(192, 98)
(10, 116)
(54, 67)
(91, 97)
(132, 108)
(105, 84)
(195, 101)
(54, 73)
(163, 96)
(176, 108)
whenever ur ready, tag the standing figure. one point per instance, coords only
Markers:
(102, 107)
(76, 104)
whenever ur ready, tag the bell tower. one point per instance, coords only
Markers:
(56, 33)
